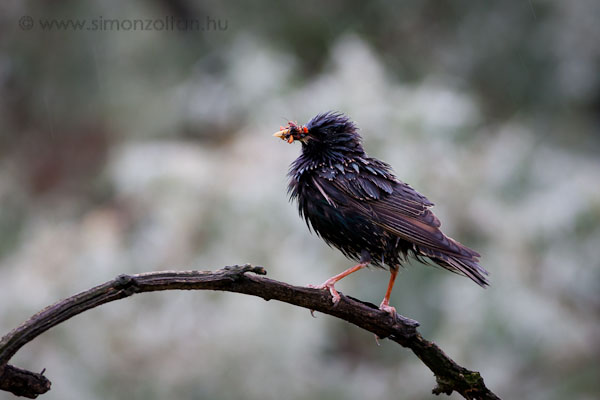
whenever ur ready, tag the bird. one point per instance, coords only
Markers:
(356, 204)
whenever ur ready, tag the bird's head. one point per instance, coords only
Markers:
(328, 131)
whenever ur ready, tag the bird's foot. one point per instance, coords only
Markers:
(330, 285)
(377, 340)
(385, 306)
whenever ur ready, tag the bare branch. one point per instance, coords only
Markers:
(449, 375)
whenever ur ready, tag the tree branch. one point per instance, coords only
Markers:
(449, 375)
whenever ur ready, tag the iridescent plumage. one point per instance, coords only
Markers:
(356, 204)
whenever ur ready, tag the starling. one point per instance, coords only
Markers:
(355, 203)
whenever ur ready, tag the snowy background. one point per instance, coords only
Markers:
(127, 151)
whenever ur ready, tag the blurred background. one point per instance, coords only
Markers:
(128, 150)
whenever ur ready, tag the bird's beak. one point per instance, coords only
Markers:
(282, 135)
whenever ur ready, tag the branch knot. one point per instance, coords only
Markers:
(127, 284)
(237, 271)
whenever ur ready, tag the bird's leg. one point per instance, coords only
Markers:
(385, 304)
(330, 283)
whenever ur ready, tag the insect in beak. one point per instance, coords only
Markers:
(287, 134)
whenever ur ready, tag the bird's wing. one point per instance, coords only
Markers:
(371, 189)
(372, 182)
(417, 229)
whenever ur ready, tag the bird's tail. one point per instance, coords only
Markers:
(465, 263)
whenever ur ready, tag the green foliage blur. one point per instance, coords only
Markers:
(128, 150)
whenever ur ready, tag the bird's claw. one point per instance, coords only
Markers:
(377, 340)
(384, 306)
(335, 296)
